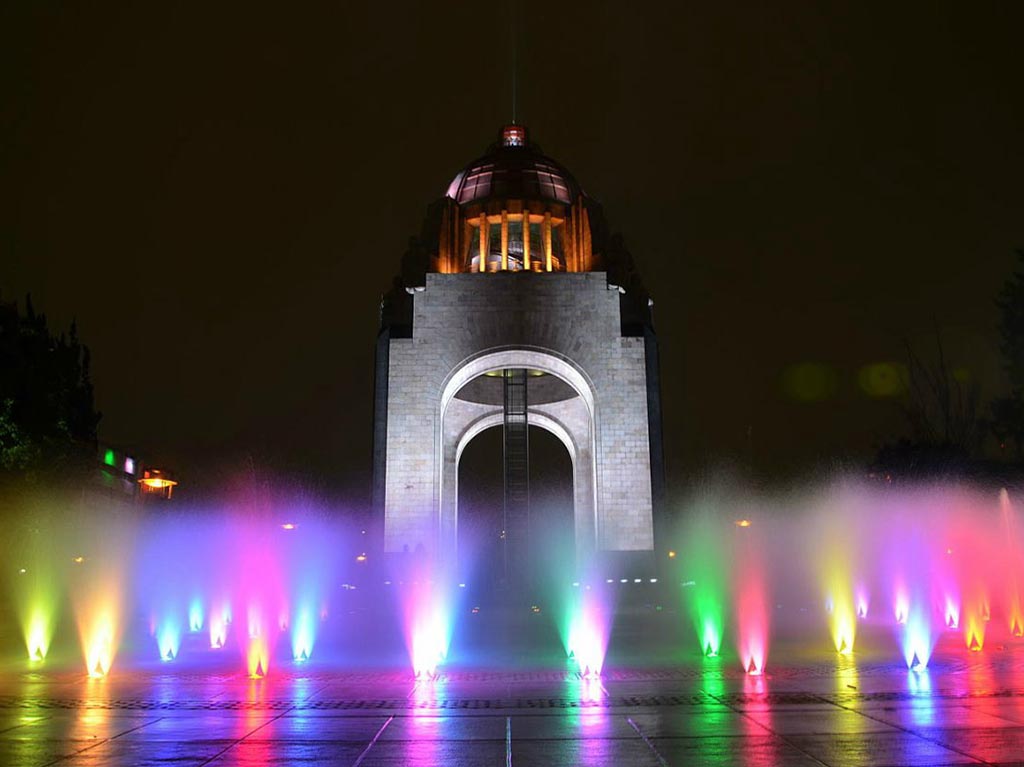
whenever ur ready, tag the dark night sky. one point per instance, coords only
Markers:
(220, 197)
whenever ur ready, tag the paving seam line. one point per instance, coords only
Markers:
(907, 730)
(646, 740)
(64, 758)
(768, 729)
(288, 710)
(373, 742)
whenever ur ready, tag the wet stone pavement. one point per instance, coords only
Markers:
(968, 708)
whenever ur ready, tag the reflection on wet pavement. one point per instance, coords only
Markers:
(965, 709)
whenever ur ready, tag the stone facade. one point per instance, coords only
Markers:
(565, 324)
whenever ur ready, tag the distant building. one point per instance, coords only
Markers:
(118, 471)
(516, 307)
(124, 475)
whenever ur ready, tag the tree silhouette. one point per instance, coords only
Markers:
(942, 412)
(1008, 411)
(47, 416)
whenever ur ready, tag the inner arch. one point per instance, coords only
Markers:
(567, 410)
(479, 505)
(528, 357)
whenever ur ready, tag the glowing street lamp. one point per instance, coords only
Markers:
(157, 482)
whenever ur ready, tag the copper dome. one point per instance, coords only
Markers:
(514, 169)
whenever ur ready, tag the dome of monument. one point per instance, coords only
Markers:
(514, 169)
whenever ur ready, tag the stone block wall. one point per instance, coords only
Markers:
(572, 319)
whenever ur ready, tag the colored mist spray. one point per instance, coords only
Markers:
(705, 580)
